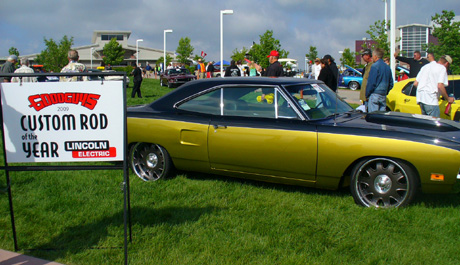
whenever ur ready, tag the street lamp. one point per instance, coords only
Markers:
(222, 13)
(164, 47)
(137, 51)
(91, 56)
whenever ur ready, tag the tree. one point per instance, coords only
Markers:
(259, 52)
(312, 54)
(113, 52)
(448, 34)
(162, 59)
(14, 51)
(348, 57)
(54, 57)
(184, 50)
(378, 33)
(239, 55)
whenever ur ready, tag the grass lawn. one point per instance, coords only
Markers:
(77, 218)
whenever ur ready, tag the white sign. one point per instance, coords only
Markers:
(63, 121)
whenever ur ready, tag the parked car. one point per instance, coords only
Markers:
(38, 68)
(293, 131)
(351, 78)
(176, 77)
(402, 98)
(115, 77)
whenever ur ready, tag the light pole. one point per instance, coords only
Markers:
(91, 56)
(137, 51)
(164, 47)
(393, 37)
(222, 13)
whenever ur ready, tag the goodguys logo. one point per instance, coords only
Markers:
(40, 101)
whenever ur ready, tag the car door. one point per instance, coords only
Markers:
(259, 134)
(407, 101)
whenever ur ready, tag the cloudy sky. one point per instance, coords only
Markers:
(329, 25)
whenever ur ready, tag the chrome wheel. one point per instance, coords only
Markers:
(383, 182)
(353, 85)
(150, 162)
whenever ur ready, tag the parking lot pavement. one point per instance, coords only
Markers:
(11, 258)
(350, 96)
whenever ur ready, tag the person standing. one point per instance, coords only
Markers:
(415, 63)
(232, 70)
(210, 70)
(137, 80)
(201, 69)
(334, 69)
(275, 68)
(430, 82)
(367, 57)
(326, 74)
(24, 69)
(8, 67)
(73, 67)
(317, 68)
(379, 83)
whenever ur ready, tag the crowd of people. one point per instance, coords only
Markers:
(431, 75)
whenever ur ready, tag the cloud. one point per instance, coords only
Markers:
(330, 25)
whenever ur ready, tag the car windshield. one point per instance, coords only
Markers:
(178, 72)
(318, 101)
(453, 89)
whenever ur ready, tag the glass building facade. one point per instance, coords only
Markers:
(414, 38)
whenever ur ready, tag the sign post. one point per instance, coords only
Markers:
(65, 122)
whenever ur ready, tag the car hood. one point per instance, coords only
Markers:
(412, 127)
(353, 69)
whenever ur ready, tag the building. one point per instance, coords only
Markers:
(414, 37)
(91, 55)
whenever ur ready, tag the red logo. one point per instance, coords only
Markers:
(112, 152)
(41, 101)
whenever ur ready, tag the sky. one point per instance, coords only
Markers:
(329, 25)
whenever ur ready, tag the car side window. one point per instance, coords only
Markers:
(264, 102)
(410, 90)
(453, 89)
(208, 103)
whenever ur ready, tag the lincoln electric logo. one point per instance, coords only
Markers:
(40, 101)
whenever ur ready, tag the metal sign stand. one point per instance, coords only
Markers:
(126, 190)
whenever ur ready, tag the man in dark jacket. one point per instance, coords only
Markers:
(275, 68)
(335, 71)
(8, 67)
(137, 80)
(415, 63)
(232, 70)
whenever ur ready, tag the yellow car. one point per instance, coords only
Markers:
(293, 131)
(402, 98)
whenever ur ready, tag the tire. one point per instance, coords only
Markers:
(161, 82)
(170, 85)
(353, 85)
(150, 162)
(383, 182)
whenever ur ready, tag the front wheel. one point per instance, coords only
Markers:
(150, 162)
(353, 85)
(383, 182)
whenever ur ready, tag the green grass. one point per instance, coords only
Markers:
(77, 218)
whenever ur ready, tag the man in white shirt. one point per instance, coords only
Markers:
(430, 82)
(24, 69)
(317, 68)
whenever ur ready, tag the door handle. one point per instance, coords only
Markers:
(406, 99)
(217, 126)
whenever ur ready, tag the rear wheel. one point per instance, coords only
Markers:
(353, 85)
(150, 162)
(383, 182)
